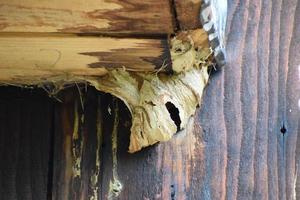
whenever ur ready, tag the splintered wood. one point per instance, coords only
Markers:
(88, 16)
(131, 69)
(38, 58)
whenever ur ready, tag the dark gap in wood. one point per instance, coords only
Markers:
(99, 119)
(51, 156)
(91, 34)
(128, 35)
(175, 16)
(214, 69)
(173, 192)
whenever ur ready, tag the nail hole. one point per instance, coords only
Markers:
(174, 114)
(283, 129)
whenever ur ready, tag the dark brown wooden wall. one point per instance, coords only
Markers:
(25, 133)
(243, 144)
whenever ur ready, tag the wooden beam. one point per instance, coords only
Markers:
(89, 16)
(27, 58)
(188, 12)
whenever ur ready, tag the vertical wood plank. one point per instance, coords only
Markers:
(77, 157)
(243, 143)
(292, 108)
(171, 170)
(258, 93)
(25, 118)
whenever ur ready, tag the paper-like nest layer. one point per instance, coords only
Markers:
(160, 104)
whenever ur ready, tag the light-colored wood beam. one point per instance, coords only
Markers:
(86, 16)
(27, 58)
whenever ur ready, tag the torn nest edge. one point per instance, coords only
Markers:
(160, 104)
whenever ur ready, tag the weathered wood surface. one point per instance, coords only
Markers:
(36, 59)
(162, 172)
(247, 146)
(238, 152)
(86, 16)
(252, 102)
(188, 13)
(77, 163)
(25, 143)
(28, 58)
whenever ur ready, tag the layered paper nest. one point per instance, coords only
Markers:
(162, 104)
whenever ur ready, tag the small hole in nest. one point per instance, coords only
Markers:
(174, 114)
(178, 50)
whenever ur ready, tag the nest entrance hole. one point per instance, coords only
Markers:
(174, 114)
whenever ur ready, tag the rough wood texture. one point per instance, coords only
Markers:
(188, 12)
(27, 58)
(252, 102)
(77, 147)
(167, 171)
(78, 16)
(240, 152)
(160, 172)
(245, 111)
(37, 58)
(25, 143)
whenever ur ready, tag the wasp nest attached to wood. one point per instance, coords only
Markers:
(161, 104)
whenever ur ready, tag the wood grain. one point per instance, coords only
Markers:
(249, 147)
(258, 94)
(91, 16)
(77, 161)
(27, 58)
(244, 142)
(165, 171)
(25, 143)
(187, 13)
